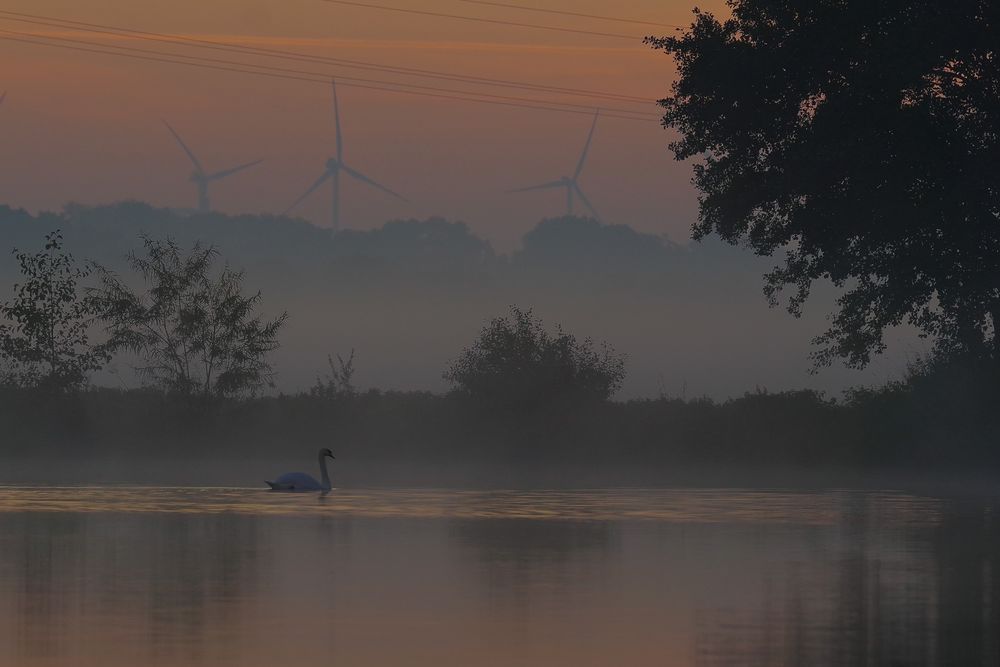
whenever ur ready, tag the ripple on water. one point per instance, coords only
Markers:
(670, 505)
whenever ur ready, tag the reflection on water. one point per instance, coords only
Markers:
(687, 506)
(156, 576)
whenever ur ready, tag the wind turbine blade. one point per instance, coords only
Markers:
(312, 188)
(361, 177)
(586, 147)
(543, 186)
(229, 172)
(586, 202)
(194, 160)
(336, 116)
(3, 96)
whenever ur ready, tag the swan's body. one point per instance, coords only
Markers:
(300, 481)
(297, 481)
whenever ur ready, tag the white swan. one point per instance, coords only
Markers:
(299, 481)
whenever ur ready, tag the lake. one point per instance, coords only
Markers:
(157, 576)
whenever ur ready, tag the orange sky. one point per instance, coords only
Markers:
(86, 127)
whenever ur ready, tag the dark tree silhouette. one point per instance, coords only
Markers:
(515, 362)
(197, 333)
(862, 139)
(45, 341)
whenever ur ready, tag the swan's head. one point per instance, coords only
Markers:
(326, 452)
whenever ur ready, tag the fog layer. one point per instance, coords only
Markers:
(407, 297)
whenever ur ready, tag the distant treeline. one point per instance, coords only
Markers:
(943, 418)
(285, 250)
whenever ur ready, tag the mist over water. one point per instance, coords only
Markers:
(161, 576)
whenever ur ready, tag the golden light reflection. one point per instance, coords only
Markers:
(673, 506)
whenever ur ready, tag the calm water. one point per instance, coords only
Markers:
(166, 576)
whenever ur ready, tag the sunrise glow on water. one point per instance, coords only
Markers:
(223, 576)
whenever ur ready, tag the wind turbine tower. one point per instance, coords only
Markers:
(571, 183)
(200, 177)
(334, 167)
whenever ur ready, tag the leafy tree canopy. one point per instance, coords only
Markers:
(45, 341)
(862, 139)
(196, 331)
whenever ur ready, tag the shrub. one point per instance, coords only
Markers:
(516, 362)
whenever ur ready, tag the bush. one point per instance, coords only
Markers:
(516, 363)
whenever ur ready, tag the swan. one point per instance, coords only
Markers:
(299, 481)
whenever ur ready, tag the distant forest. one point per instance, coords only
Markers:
(288, 251)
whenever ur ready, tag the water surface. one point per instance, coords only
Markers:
(186, 576)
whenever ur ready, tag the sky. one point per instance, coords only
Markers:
(86, 127)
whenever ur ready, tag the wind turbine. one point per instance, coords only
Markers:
(571, 183)
(3, 96)
(334, 166)
(202, 179)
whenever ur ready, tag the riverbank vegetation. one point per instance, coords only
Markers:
(939, 417)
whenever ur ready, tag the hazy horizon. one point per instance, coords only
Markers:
(87, 127)
(692, 319)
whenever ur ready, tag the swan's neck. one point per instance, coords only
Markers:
(323, 471)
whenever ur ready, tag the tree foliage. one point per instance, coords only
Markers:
(194, 329)
(516, 362)
(861, 139)
(45, 341)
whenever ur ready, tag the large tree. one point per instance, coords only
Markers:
(862, 140)
(196, 331)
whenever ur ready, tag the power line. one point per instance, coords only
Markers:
(477, 19)
(322, 75)
(538, 105)
(304, 57)
(563, 12)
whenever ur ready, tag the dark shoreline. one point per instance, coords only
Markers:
(941, 425)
